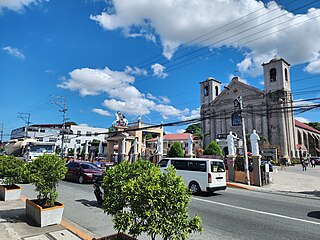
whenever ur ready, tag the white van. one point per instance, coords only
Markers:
(199, 174)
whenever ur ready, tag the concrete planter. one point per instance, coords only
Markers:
(10, 192)
(44, 216)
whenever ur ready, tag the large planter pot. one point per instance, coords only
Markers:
(44, 216)
(10, 192)
(122, 236)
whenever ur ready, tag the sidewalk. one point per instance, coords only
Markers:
(14, 225)
(292, 181)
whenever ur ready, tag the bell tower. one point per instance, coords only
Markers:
(210, 89)
(281, 127)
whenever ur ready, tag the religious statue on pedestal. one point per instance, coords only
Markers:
(254, 137)
(231, 144)
(120, 120)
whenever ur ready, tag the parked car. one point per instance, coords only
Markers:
(82, 171)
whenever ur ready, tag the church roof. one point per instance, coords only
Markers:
(276, 59)
(305, 126)
(233, 82)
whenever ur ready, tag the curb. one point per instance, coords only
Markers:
(69, 225)
(237, 185)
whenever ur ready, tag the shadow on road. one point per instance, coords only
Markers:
(207, 194)
(13, 215)
(88, 203)
(314, 214)
(315, 193)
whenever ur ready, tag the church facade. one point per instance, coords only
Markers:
(268, 111)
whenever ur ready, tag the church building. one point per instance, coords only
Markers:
(268, 111)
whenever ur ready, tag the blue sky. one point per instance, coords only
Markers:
(146, 57)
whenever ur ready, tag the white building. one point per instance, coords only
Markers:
(75, 134)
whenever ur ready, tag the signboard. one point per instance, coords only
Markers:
(236, 118)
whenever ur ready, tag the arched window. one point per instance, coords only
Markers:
(206, 90)
(286, 74)
(273, 75)
(217, 90)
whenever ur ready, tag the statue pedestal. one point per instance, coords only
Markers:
(158, 158)
(257, 170)
(123, 157)
(230, 162)
(134, 157)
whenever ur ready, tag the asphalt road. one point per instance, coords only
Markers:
(230, 214)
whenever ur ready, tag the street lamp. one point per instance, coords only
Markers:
(238, 104)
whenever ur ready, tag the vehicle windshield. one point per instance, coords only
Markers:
(217, 167)
(89, 166)
(42, 148)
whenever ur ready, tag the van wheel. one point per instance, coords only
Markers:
(81, 179)
(194, 187)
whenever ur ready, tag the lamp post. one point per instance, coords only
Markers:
(238, 103)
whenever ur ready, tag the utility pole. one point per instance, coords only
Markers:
(1, 132)
(239, 104)
(63, 105)
(26, 118)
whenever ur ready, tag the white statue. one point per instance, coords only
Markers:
(254, 138)
(231, 145)
(135, 146)
(159, 145)
(123, 149)
(120, 120)
(190, 141)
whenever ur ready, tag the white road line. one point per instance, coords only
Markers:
(256, 211)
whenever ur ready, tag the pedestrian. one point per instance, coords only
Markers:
(313, 163)
(304, 165)
(283, 164)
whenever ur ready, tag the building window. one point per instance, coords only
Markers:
(78, 141)
(79, 133)
(88, 133)
(286, 74)
(52, 139)
(217, 91)
(67, 140)
(206, 90)
(42, 130)
(39, 139)
(273, 75)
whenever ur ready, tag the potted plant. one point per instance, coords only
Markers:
(11, 170)
(143, 200)
(45, 172)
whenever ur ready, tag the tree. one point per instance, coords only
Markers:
(176, 150)
(45, 172)
(11, 169)
(213, 149)
(141, 199)
(315, 125)
(195, 129)
(71, 123)
(148, 136)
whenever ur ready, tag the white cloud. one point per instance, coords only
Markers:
(14, 52)
(135, 71)
(302, 119)
(195, 113)
(158, 70)
(170, 23)
(313, 67)
(17, 5)
(123, 96)
(181, 130)
(101, 112)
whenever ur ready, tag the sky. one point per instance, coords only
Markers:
(146, 57)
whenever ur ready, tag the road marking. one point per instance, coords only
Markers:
(257, 211)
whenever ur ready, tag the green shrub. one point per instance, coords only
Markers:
(45, 172)
(142, 199)
(213, 149)
(176, 150)
(11, 169)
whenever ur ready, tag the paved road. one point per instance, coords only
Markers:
(230, 214)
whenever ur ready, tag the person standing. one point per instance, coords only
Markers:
(313, 163)
(304, 165)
